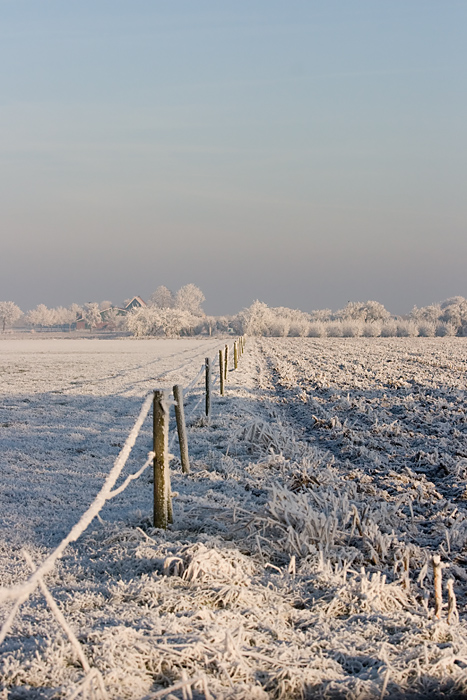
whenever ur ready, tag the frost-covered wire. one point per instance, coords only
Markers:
(91, 674)
(21, 592)
(195, 406)
(194, 382)
(134, 476)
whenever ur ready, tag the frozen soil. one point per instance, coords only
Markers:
(299, 561)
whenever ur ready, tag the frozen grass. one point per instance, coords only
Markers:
(299, 561)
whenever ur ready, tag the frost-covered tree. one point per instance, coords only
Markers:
(92, 314)
(446, 330)
(429, 314)
(162, 298)
(139, 321)
(363, 311)
(317, 329)
(40, 317)
(114, 318)
(77, 310)
(372, 329)
(222, 324)
(256, 318)
(447, 318)
(321, 315)
(9, 314)
(44, 317)
(260, 319)
(454, 312)
(71, 314)
(189, 298)
(166, 322)
(105, 305)
(426, 329)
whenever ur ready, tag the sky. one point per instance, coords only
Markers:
(304, 153)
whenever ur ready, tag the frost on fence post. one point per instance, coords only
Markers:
(235, 355)
(162, 492)
(208, 386)
(181, 428)
(221, 372)
(226, 360)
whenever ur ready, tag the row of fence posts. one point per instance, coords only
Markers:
(163, 515)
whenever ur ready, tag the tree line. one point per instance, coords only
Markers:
(174, 314)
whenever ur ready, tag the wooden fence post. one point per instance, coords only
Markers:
(437, 569)
(208, 386)
(162, 491)
(181, 428)
(235, 355)
(221, 372)
(226, 360)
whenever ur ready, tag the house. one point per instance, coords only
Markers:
(108, 315)
(135, 303)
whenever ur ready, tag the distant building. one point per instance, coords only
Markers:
(135, 303)
(107, 323)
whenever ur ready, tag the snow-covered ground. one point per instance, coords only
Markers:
(299, 561)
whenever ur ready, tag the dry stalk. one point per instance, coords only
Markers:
(452, 605)
(407, 569)
(356, 521)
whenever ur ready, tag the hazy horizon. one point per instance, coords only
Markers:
(304, 154)
(121, 304)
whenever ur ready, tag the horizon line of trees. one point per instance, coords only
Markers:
(171, 315)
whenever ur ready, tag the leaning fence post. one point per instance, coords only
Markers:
(226, 361)
(162, 491)
(221, 372)
(208, 386)
(235, 355)
(181, 428)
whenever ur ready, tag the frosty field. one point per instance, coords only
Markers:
(299, 561)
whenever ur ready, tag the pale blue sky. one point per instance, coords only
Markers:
(303, 153)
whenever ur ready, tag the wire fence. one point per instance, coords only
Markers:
(92, 687)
